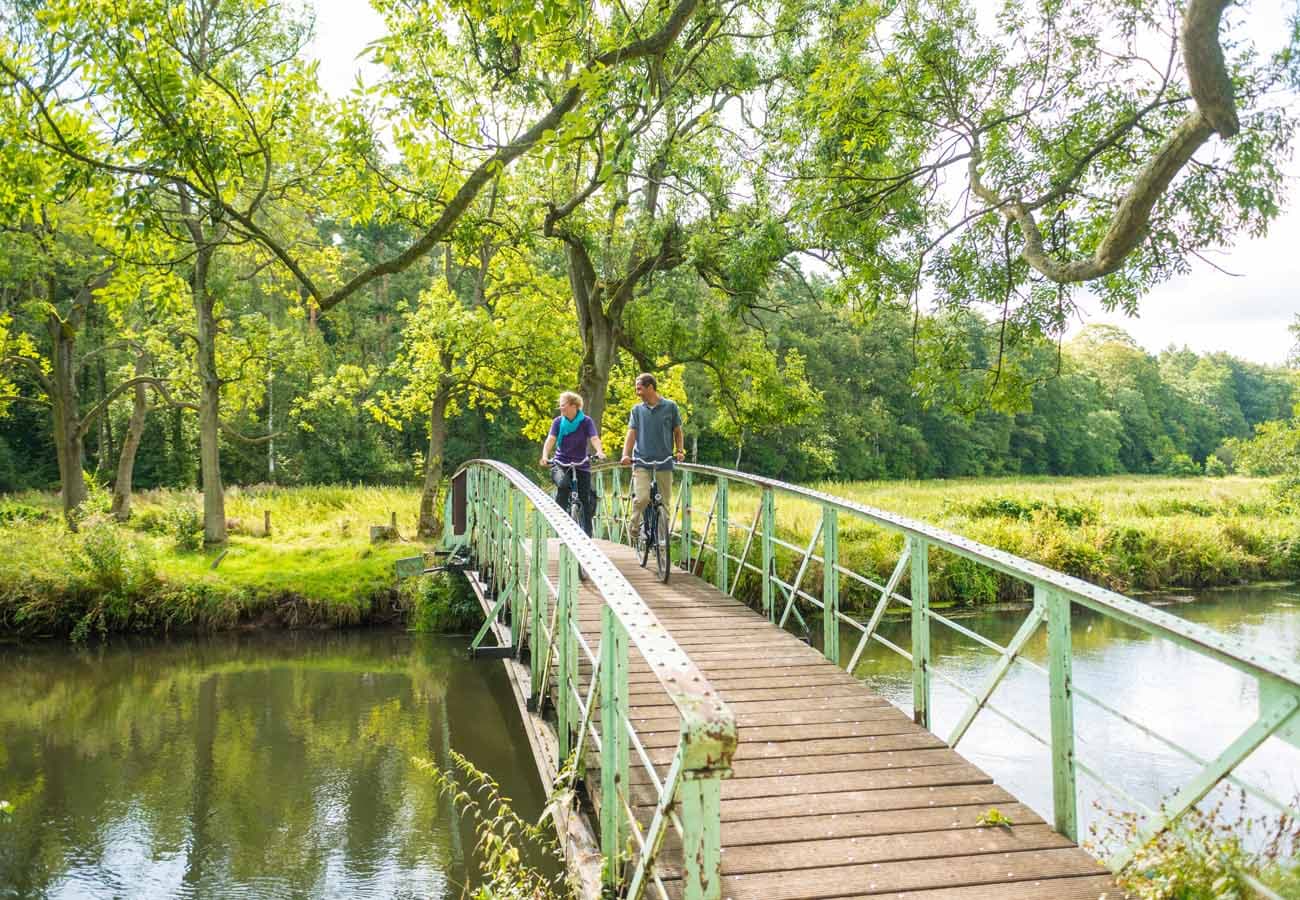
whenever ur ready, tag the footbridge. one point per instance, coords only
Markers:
(705, 746)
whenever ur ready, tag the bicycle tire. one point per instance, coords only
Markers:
(663, 548)
(646, 537)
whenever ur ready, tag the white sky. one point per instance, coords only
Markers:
(1207, 310)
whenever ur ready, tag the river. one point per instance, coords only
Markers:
(1196, 702)
(262, 765)
(279, 765)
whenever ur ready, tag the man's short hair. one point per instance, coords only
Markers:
(571, 396)
(645, 379)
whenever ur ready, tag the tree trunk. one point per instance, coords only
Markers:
(598, 331)
(130, 444)
(64, 407)
(428, 525)
(214, 501)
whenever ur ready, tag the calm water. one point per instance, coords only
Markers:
(1198, 703)
(273, 765)
(278, 765)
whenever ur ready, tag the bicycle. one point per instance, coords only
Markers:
(656, 531)
(569, 472)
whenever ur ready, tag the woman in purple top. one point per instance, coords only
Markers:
(570, 434)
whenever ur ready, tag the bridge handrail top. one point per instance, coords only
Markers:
(707, 723)
(1134, 612)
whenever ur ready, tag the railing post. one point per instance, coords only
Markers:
(720, 538)
(920, 631)
(830, 584)
(598, 496)
(614, 743)
(617, 526)
(767, 521)
(684, 556)
(701, 799)
(537, 603)
(567, 667)
(519, 600)
(1064, 792)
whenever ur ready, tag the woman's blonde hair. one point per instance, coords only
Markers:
(571, 396)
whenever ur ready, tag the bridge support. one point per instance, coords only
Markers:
(1064, 789)
(830, 585)
(767, 522)
(920, 553)
(701, 799)
(566, 675)
(720, 537)
(684, 499)
(614, 749)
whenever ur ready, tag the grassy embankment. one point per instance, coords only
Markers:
(1127, 533)
(318, 567)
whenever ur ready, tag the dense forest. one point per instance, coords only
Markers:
(849, 240)
(1097, 404)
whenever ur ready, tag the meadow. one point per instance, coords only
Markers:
(1132, 534)
(318, 567)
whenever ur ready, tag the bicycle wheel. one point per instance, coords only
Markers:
(647, 537)
(663, 547)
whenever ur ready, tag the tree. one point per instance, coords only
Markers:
(936, 158)
(490, 332)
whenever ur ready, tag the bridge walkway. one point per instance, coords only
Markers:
(835, 792)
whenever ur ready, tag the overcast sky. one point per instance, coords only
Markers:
(1245, 313)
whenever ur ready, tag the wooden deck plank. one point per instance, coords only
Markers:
(874, 879)
(834, 792)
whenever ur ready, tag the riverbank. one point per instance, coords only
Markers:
(318, 568)
(1131, 534)
(315, 568)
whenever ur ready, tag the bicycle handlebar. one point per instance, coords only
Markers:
(654, 463)
(554, 461)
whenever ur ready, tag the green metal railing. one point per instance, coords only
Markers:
(511, 528)
(1054, 595)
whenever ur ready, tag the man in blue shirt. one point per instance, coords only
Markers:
(654, 439)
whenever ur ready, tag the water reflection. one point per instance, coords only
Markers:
(1196, 702)
(266, 765)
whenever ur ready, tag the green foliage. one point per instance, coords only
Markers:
(993, 818)
(118, 574)
(445, 604)
(1274, 450)
(505, 840)
(6, 811)
(1209, 855)
(15, 512)
(1027, 509)
(184, 523)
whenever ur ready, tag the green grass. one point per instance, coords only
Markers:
(317, 566)
(1127, 533)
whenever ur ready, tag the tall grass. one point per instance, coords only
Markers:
(1128, 533)
(316, 567)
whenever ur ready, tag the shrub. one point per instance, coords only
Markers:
(185, 524)
(1208, 856)
(1286, 495)
(504, 839)
(445, 604)
(1072, 514)
(116, 573)
(12, 512)
(1215, 467)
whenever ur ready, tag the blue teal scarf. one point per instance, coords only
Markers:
(569, 426)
